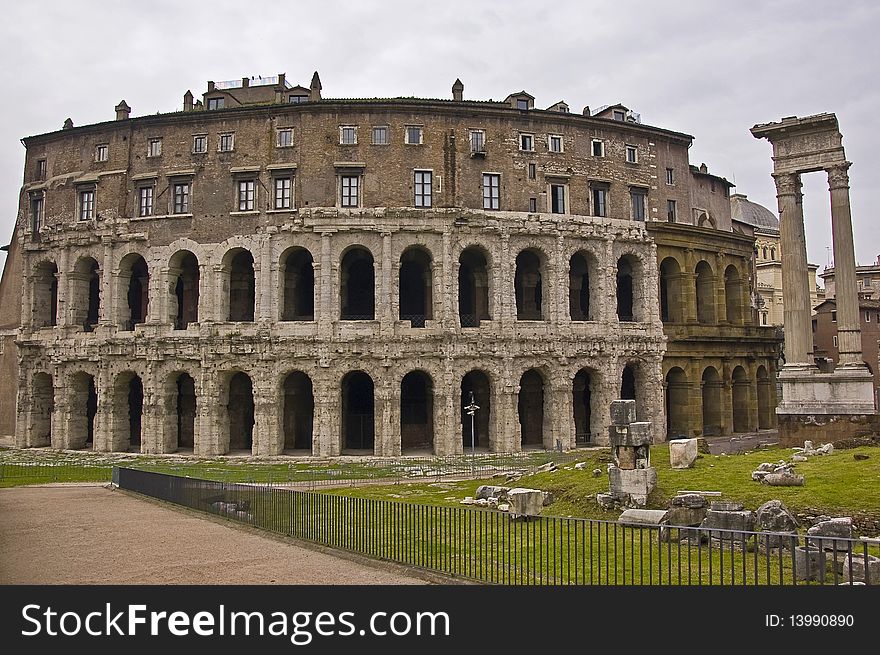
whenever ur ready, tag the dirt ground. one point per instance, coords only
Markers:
(91, 535)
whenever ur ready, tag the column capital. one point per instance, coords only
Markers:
(838, 175)
(787, 183)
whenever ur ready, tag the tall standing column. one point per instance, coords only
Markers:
(849, 333)
(795, 280)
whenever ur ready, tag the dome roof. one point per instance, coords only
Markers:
(751, 213)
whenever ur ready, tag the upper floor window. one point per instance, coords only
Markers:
(670, 176)
(380, 135)
(478, 141)
(600, 198)
(216, 103)
(554, 143)
(773, 254)
(180, 198)
(283, 193)
(86, 204)
(247, 192)
(632, 155)
(533, 171)
(533, 205)
(226, 142)
(350, 190)
(414, 135)
(145, 201)
(285, 137)
(101, 152)
(41, 169)
(491, 191)
(764, 252)
(597, 147)
(154, 147)
(671, 213)
(527, 142)
(348, 135)
(618, 115)
(422, 185)
(637, 197)
(522, 104)
(200, 144)
(557, 198)
(296, 99)
(37, 204)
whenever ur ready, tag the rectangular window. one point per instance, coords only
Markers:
(670, 176)
(532, 171)
(478, 141)
(867, 317)
(533, 205)
(600, 201)
(349, 185)
(637, 197)
(41, 169)
(414, 135)
(491, 191)
(598, 148)
(522, 104)
(154, 147)
(226, 142)
(632, 155)
(36, 213)
(380, 135)
(670, 211)
(216, 103)
(867, 282)
(834, 317)
(557, 198)
(181, 198)
(834, 340)
(101, 152)
(282, 193)
(618, 115)
(86, 204)
(348, 135)
(527, 142)
(145, 201)
(285, 137)
(247, 191)
(422, 187)
(554, 143)
(200, 144)
(297, 99)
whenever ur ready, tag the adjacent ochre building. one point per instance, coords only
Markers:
(271, 271)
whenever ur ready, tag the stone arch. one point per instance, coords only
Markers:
(416, 411)
(740, 391)
(415, 286)
(298, 411)
(733, 297)
(478, 383)
(528, 284)
(357, 285)
(127, 412)
(41, 409)
(184, 277)
(705, 293)
(181, 412)
(237, 400)
(712, 401)
(44, 301)
(297, 285)
(629, 292)
(239, 279)
(677, 403)
(358, 411)
(585, 397)
(531, 408)
(132, 291)
(474, 284)
(583, 291)
(85, 301)
(671, 296)
(82, 410)
(765, 399)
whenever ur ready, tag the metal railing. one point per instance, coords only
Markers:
(490, 547)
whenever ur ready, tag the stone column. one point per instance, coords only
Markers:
(849, 334)
(385, 303)
(795, 276)
(447, 307)
(326, 440)
(325, 302)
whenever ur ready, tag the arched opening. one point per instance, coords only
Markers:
(733, 295)
(42, 406)
(298, 286)
(527, 286)
(127, 413)
(358, 411)
(740, 400)
(628, 383)
(135, 411)
(83, 407)
(530, 407)
(184, 274)
(705, 283)
(186, 411)
(416, 411)
(242, 287)
(579, 291)
(625, 289)
(45, 295)
(671, 300)
(473, 288)
(677, 404)
(134, 277)
(765, 402)
(475, 387)
(582, 392)
(357, 286)
(415, 294)
(86, 293)
(240, 411)
(299, 411)
(711, 391)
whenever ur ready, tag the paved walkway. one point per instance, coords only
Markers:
(92, 535)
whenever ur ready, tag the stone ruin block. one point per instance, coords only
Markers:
(809, 563)
(623, 412)
(635, 434)
(822, 534)
(525, 502)
(736, 525)
(491, 491)
(640, 517)
(726, 506)
(774, 517)
(686, 516)
(625, 457)
(682, 453)
(636, 482)
(862, 569)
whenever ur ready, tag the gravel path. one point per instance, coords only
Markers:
(92, 535)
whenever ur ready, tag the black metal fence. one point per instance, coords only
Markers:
(489, 546)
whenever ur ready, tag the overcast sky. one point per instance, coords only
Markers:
(710, 69)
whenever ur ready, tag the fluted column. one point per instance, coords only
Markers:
(849, 336)
(795, 277)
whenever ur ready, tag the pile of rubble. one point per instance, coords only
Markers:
(780, 474)
(518, 502)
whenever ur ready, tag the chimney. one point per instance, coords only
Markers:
(210, 86)
(586, 111)
(457, 90)
(704, 168)
(315, 88)
(188, 101)
(281, 80)
(68, 124)
(122, 111)
(245, 82)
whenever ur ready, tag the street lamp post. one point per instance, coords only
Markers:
(471, 409)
